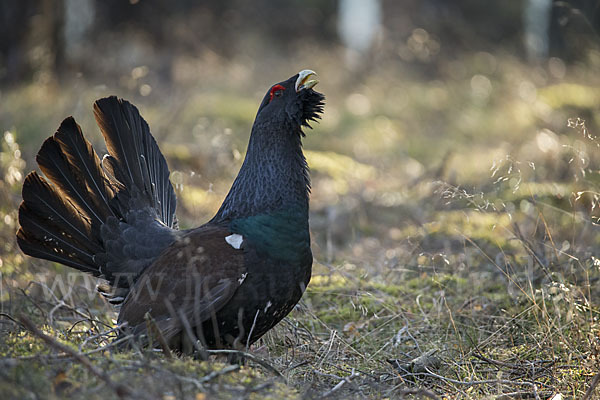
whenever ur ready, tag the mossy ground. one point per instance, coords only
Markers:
(453, 217)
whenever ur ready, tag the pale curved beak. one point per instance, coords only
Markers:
(306, 79)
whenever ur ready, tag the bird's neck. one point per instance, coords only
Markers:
(273, 178)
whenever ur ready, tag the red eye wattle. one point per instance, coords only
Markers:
(276, 91)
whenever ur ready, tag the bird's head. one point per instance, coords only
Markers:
(274, 174)
(292, 103)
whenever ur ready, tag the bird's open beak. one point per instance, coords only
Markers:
(306, 79)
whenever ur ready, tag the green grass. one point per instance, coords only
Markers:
(448, 219)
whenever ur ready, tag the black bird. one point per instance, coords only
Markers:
(225, 283)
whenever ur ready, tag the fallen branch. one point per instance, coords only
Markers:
(528, 365)
(590, 391)
(532, 385)
(342, 382)
(104, 335)
(205, 379)
(214, 374)
(418, 392)
(113, 344)
(119, 389)
(252, 357)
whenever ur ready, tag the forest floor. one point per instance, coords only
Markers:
(454, 226)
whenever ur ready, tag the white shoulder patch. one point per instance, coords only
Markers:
(235, 240)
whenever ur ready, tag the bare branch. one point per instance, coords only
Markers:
(119, 389)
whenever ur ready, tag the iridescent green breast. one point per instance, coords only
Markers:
(282, 235)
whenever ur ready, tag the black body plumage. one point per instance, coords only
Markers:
(225, 283)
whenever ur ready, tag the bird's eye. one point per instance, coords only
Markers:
(276, 91)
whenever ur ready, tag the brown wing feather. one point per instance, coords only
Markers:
(192, 279)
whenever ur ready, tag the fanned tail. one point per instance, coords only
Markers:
(135, 159)
(61, 221)
(110, 218)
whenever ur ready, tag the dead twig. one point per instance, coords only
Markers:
(418, 392)
(251, 330)
(533, 369)
(214, 374)
(341, 383)
(252, 357)
(114, 343)
(198, 383)
(8, 316)
(119, 389)
(532, 385)
(154, 330)
(297, 365)
(590, 391)
(103, 334)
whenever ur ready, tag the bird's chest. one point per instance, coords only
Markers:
(282, 237)
(278, 262)
(269, 292)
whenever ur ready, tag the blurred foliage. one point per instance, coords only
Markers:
(455, 197)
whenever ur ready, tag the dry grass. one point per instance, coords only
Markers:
(455, 239)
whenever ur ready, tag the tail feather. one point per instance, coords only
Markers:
(42, 240)
(143, 170)
(110, 218)
(112, 169)
(42, 201)
(80, 155)
(62, 221)
(33, 248)
(56, 167)
(111, 120)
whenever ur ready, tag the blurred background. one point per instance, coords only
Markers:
(455, 169)
(418, 91)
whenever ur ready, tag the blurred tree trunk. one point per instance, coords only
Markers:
(536, 18)
(574, 28)
(54, 12)
(31, 44)
(14, 24)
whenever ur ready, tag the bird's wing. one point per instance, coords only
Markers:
(191, 280)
